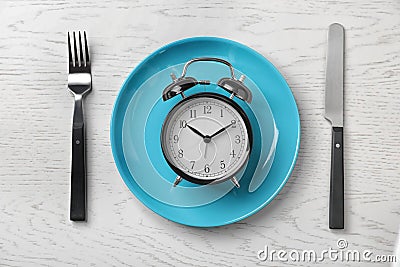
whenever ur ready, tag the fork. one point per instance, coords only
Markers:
(80, 84)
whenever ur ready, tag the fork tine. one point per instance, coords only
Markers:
(86, 49)
(69, 50)
(75, 51)
(80, 50)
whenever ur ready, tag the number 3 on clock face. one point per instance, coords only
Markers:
(206, 138)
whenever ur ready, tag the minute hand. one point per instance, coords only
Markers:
(221, 130)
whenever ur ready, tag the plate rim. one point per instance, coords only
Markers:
(117, 162)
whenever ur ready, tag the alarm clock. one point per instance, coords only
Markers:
(206, 137)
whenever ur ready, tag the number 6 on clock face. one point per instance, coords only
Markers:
(206, 138)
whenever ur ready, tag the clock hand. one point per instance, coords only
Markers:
(220, 130)
(195, 131)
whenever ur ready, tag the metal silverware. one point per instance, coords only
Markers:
(334, 114)
(80, 84)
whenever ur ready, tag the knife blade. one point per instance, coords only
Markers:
(334, 114)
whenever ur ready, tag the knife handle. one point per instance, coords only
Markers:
(336, 199)
(78, 168)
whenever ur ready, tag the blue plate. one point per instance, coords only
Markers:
(235, 204)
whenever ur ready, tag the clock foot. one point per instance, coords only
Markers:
(235, 182)
(177, 180)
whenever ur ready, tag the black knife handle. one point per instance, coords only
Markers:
(78, 169)
(336, 199)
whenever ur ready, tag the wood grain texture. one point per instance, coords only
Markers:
(36, 111)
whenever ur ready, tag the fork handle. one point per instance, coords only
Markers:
(78, 168)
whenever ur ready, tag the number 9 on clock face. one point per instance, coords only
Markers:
(206, 138)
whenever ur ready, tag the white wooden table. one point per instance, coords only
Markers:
(36, 111)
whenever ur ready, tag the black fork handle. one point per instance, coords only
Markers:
(78, 168)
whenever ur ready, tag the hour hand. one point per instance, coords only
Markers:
(196, 131)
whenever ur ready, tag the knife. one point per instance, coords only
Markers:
(334, 114)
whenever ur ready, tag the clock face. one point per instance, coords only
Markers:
(206, 137)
